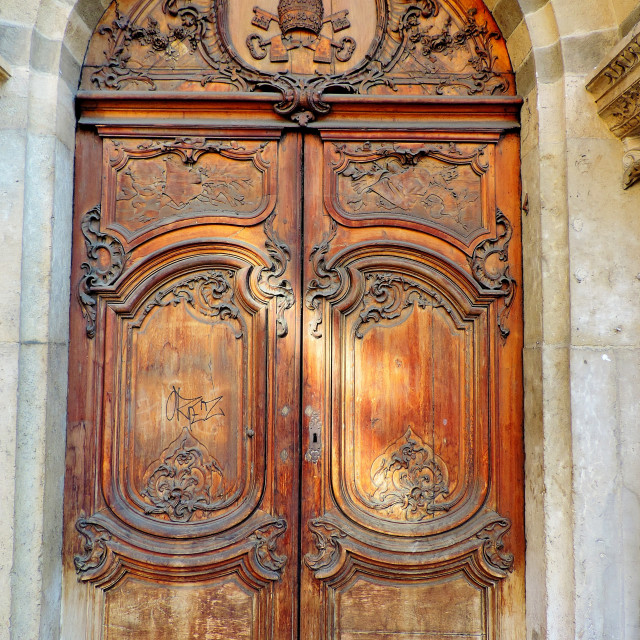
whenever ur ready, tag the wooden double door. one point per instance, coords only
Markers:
(295, 393)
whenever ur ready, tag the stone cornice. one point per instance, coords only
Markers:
(615, 85)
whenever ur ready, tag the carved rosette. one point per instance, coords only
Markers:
(496, 279)
(270, 279)
(186, 479)
(410, 480)
(98, 271)
(426, 44)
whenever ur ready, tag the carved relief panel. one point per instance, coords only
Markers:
(155, 182)
(407, 324)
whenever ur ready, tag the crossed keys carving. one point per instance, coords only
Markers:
(306, 16)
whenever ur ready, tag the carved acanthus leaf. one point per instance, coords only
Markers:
(95, 548)
(327, 537)
(410, 480)
(328, 282)
(98, 271)
(496, 279)
(493, 546)
(210, 295)
(389, 297)
(265, 542)
(270, 279)
(191, 149)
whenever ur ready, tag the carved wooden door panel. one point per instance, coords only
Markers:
(295, 398)
(411, 361)
(182, 482)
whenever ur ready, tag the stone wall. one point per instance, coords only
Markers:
(582, 313)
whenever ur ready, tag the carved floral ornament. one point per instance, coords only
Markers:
(615, 86)
(434, 45)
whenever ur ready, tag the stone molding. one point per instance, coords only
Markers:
(615, 85)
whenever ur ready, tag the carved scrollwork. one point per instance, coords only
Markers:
(328, 282)
(186, 479)
(493, 546)
(421, 43)
(210, 295)
(191, 149)
(410, 480)
(327, 538)
(98, 271)
(265, 542)
(390, 297)
(268, 277)
(496, 279)
(96, 550)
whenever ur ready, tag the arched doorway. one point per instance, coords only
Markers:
(295, 389)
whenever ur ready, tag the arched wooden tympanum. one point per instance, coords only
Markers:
(295, 389)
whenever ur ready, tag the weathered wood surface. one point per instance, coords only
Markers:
(295, 405)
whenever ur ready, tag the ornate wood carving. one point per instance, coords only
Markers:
(95, 549)
(160, 181)
(410, 479)
(428, 44)
(435, 185)
(328, 282)
(186, 478)
(304, 15)
(492, 278)
(493, 546)
(268, 277)
(265, 542)
(327, 539)
(210, 295)
(389, 297)
(98, 271)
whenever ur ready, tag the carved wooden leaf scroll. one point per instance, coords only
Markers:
(492, 277)
(410, 480)
(389, 297)
(438, 47)
(98, 271)
(265, 542)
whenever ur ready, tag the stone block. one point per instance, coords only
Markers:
(589, 15)
(76, 36)
(532, 253)
(15, 43)
(508, 15)
(24, 12)
(45, 53)
(543, 28)
(605, 247)
(529, 123)
(69, 68)
(90, 12)
(526, 76)
(12, 157)
(37, 238)
(597, 504)
(8, 407)
(630, 23)
(583, 52)
(529, 6)
(52, 18)
(14, 99)
(549, 64)
(43, 99)
(583, 120)
(519, 45)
